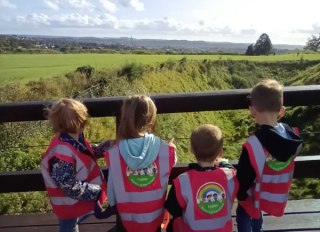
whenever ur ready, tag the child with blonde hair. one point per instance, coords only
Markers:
(266, 163)
(71, 175)
(139, 167)
(201, 199)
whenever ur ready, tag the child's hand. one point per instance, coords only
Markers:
(104, 210)
(99, 149)
(219, 160)
(171, 142)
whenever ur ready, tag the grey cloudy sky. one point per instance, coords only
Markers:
(286, 21)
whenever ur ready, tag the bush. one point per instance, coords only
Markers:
(88, 70)
(132, 71)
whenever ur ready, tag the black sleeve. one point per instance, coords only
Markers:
(245, 174)
(172, 204)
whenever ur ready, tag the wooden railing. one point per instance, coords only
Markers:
(166, 103)
(306, 167)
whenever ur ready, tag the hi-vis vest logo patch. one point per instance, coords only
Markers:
(276, 165)
(143, 177)
(211, 197)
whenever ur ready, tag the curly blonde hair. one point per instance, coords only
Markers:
(67, 116)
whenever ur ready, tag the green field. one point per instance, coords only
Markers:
(26, 67)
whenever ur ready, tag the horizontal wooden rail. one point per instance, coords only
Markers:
(23, 181)
(166, 103)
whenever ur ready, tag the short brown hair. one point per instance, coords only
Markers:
(138, 115)
(267, 95)
(67, 115)
(206, 142)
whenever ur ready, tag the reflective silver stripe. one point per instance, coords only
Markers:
(61, 149)
(281, 178)
(189, 217)
(141, 217)
(231, 186)
(258, 152)
(63, 201)
(164, 158)
(138, 197)
(258, 187)
(274, 197)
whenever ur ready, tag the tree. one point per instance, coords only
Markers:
(313, 43)
(263, 45)
(250, 50)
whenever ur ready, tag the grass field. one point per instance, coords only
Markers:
(25, 67)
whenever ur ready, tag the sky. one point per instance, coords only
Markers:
(285, 21)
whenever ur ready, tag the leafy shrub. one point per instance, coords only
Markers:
(88, 70)
(132, 71)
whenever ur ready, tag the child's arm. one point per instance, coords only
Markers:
(245, 174)
(171, 144)
(99, 149)
(172, 204)
(100, 212)
(62, 173)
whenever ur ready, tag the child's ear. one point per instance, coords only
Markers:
(252, 111)
(282, 111)
(222, 153)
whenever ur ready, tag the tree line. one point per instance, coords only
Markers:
(263, 46)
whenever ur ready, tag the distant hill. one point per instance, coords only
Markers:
(150, 44)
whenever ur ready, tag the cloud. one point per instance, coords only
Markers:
(135, 4)
(7, 4)
(315, 29)
(167, 25)
(73, 20)
(33, 19)
(52, 4)
(164, 24)
(109, 6)
(171, 26)
(248, 31)
(82, 4)
(78, 4)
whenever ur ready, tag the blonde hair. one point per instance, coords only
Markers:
(206, 142)
(138, 115)
(267, 95)
(67, 116)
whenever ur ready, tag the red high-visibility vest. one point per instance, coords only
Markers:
(206, 199)
(140, 194)
(86, 170)
(272, 184)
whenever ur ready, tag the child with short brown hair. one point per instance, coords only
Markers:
(266, 163)
(139, 167)
(71, 175)
(201, 198)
